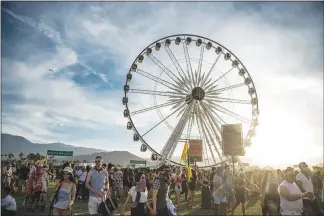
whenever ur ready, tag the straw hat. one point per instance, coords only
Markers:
(68, 169)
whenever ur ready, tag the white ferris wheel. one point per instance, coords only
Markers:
(184, 87)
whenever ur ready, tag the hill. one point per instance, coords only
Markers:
(16, 144)
(114, 157)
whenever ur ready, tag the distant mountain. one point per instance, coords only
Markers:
(17, 144)
(115, 157)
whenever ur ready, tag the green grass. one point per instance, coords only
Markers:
(81, 207)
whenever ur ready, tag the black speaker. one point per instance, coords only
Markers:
(232, 140)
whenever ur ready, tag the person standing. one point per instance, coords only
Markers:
(205, 192)
(82, 175)
(138, 195)
(184, 184)
(160, 192)
(218, 193)
(65, 195)
(290, 195)
(23, 176)
(305, 184)
(98, 185)
(192, 189)
(229, 188)
(270, 200)
(118, 182)
(178, 187)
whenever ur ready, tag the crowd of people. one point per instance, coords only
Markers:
(159, 191)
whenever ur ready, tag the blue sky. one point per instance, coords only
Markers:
(90, 47)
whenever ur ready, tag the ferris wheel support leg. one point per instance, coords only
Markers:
(187, 117)
(172, 142)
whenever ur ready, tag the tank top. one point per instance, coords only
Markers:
(97, 182)
(291, 206)
(178, 179)
(63, 197)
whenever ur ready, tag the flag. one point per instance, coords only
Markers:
(185, 159)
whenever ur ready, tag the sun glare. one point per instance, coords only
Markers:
(281, 140)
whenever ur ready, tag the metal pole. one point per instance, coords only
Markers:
(233, 169)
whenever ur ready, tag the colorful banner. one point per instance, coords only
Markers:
(185, 159)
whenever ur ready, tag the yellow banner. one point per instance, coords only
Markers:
(185, 153)
(185, 160)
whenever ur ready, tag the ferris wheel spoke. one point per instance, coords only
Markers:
(177, 66)
(213, 143)
(227, 100)
(153, 107)
(210, 123)
(232, 114)
(212, 84)
(186, 81)
(167, 71)
(209, 80)
(202, 49)
(211, 110)
(160, 93)
(188, 62)
(205, 135)
(213, 122)
(210, 70)
(158, 80)
(190, 123)
(226, 88)
(202, 138)
(164, 119)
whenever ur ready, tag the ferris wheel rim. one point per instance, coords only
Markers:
(226, 159)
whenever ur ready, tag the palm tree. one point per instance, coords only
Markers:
(10, 155)
(21, 155)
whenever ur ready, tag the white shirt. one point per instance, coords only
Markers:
(218, 183)
(9, 203)
(306, 183)
(173, 176)
(133, 193)
(82, 175)
(291, 206)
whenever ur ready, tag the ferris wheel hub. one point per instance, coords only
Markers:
(198, 93)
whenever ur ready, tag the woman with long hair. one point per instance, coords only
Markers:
(192, 188)
(118, 182)
(138, 196)
(65, 194)
(270, 199)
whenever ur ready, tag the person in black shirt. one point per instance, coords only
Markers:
(211, 177)
(23, 176)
